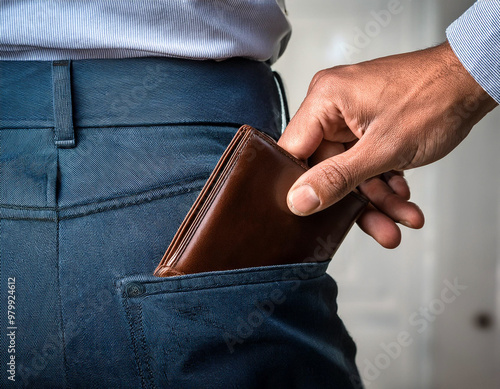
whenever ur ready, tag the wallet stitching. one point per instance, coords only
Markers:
(196, 208)
(237, 157)
(194, 214)
(286, 154)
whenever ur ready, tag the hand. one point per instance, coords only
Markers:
(358, 122)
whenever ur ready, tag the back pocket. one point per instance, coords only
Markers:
(265, 327)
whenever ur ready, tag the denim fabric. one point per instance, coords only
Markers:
(92, 192)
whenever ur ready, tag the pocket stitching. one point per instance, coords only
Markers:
(139, 342)
(176, 282)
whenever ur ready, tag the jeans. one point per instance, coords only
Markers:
(100, 160)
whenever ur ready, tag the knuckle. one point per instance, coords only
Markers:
(317, 77)
(390, 201)
(322, 79)
(337, 177)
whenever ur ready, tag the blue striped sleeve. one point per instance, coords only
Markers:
(475, 39)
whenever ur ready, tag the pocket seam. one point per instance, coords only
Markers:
(138, 341)
(159, 193)
(175, 284)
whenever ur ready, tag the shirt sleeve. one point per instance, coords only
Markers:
(475, 39)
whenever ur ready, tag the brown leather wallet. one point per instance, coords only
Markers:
(241, 219)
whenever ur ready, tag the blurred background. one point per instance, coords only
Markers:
(424, 315)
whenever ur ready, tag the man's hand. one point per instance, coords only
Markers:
(361, 121)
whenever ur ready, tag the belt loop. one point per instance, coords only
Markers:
(64, 135)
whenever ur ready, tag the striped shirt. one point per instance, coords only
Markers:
(475, 39)
(197, 29)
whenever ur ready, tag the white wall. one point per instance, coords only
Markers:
(381, 291)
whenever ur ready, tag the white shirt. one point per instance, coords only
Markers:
(196, 29)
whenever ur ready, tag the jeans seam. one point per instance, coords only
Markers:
(98, 209)
(59, 295)
(187, 180)
(138, 338)
(144, 347)
(133, 338)
(154, 188)
(1, 150)
(137, 125)
(221, 285)
(129, 204)
(40, 219)
(163, 124)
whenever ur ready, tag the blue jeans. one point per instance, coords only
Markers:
(100, 162)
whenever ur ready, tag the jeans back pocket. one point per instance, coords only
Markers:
(266, 327)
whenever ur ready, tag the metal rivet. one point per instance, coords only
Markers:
(135, 289)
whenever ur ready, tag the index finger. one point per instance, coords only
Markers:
(318, 118)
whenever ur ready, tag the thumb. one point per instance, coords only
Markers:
(330, 180)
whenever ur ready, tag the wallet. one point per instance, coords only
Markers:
(241, 219)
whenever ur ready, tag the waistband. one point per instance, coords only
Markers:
(141, 91)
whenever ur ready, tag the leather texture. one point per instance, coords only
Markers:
(241, 219)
